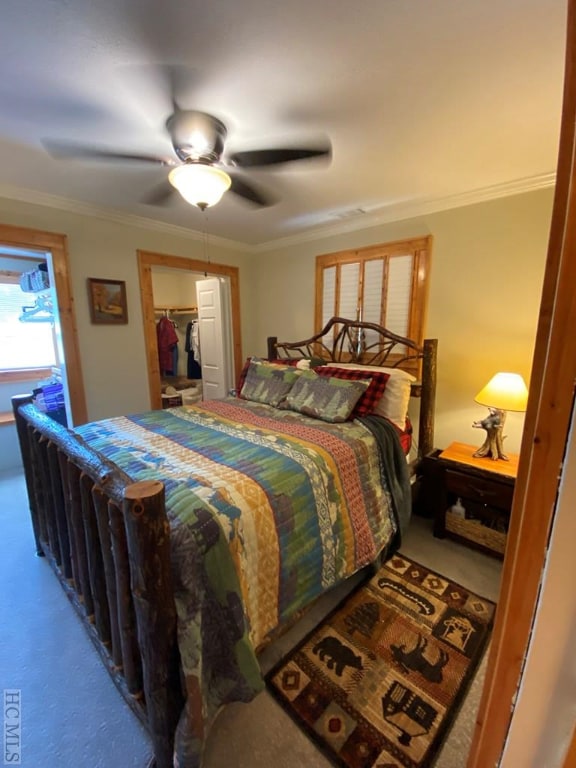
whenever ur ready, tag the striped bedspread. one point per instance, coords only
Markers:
(268, 509)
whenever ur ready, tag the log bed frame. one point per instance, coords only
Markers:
(107, 537)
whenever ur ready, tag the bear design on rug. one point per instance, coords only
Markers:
(339, 655)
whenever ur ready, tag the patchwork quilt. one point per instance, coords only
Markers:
(268, 509)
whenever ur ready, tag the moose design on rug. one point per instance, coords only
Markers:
(336, 655)
(416, 661)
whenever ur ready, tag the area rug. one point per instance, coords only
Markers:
(379, 682)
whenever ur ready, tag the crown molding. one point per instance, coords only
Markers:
(99, 212)
(373, 218)
(413, 209)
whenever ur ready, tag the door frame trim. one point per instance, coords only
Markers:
(544, 441)
(57, 246)
(149, 259)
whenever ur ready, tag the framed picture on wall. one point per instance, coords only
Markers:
(107, 300)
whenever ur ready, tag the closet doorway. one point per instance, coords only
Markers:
(147, 261)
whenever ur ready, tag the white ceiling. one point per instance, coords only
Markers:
(423, 100)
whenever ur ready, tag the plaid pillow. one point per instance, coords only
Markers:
(371, 397)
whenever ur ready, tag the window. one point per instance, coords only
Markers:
(384, 284)
(24, 346)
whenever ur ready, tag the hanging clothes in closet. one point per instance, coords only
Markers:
(192, 347)
(167, 346)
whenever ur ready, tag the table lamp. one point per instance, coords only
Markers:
(504, 392)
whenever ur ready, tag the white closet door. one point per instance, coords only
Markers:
(215, 332)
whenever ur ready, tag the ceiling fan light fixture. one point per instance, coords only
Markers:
(200, 184)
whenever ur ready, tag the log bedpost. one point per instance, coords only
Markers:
(426, 424)
(148, 541)
(272, 350)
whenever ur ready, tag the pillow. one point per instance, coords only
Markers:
(377, 383)
(324, 397)
(394, 402)
(300, 363)
(268, 384)
(397, 372)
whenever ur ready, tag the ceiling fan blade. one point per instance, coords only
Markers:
(178, 79)
(62, 149)
(249, 192)
(262, 157)
(162, 194)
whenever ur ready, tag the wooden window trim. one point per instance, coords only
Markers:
(9, 375)
(420, 248)
(9, 277)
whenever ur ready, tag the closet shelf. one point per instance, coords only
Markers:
(176, 310)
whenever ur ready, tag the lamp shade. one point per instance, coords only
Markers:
(504, 391)
(199, 184)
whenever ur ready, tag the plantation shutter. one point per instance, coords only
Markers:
(372, 295)
(348, 294)
(398, 294)
(329, 295)
(384, 284)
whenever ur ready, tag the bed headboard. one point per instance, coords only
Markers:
(355, 341)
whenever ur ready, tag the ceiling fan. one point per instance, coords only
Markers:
(201, 171)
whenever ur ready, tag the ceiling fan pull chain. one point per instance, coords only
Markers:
(206, 249)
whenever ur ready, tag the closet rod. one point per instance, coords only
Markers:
(176, 310)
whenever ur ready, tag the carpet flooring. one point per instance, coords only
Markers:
(44, 651)
(379, 680)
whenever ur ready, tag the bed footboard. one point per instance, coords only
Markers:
(107, 539)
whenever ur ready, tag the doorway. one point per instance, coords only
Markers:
(53, 248)
(146, 262)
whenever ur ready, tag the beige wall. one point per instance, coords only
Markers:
(174, 288)
(113, 357)
(487, 269)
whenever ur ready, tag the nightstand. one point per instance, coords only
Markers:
(471, 498)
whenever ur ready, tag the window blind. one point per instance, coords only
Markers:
(328, 295)
(399, 291)
(348, 298)
(372, 299)
(22, 345)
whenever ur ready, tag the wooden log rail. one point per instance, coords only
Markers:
(107, 539)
